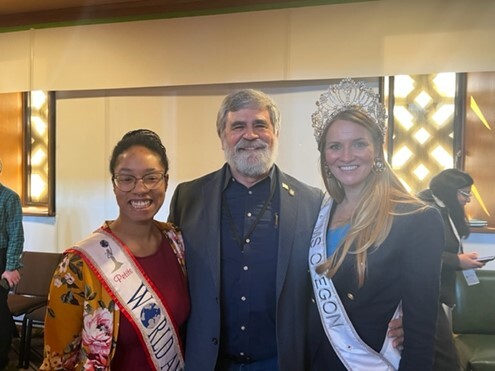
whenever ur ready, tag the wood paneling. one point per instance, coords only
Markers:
(15, 13)
(11, 143)
(479, 148)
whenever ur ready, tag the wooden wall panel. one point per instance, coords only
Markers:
(11, 143)
(479, 143)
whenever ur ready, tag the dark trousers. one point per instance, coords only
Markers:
(6, 325)
(446, 357)
(6, 321)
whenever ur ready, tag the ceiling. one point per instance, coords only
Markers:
(25, 14)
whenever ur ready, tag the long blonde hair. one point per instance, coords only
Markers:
(373, 216)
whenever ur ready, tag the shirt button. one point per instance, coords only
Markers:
(350, 296)
(248, 240)
(241, 353)
(250, 192)
(243, 328)
(243, 298)
(249, 215)
(245, 268)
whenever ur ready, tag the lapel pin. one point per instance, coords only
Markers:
(290, 190)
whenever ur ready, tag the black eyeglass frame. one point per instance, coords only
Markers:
(115, 181)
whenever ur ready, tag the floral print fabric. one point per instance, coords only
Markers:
(81, 324)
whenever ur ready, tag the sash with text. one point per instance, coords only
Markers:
(136, 297)
(353, 352)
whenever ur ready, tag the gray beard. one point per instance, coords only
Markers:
(252, 164)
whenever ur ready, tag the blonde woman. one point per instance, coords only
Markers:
(376, 249)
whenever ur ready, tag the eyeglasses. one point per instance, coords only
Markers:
(127, 183)
(465, 194)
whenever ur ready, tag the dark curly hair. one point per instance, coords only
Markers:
(140, 137)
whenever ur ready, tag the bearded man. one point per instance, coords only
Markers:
(247, 230)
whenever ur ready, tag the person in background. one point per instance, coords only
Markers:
(119, 298)
(11, 246)
(450, 191)
(376, 249)
(247, 229)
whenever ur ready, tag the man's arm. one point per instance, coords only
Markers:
(15, 233)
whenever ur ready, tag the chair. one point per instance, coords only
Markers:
(473, 322)
(35, 318)
(31, 293)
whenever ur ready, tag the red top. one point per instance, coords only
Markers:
(164, 271)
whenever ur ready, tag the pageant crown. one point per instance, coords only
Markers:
(344, 96)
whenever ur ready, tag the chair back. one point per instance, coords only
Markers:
(37, 272)
(474, 312)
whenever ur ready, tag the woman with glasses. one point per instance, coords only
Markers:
(119, 297)
(450, 191)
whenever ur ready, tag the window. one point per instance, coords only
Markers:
(421, 126)
(27, 129)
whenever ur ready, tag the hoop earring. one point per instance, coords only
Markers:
(378, 165)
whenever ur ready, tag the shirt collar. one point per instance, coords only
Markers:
(229, 178)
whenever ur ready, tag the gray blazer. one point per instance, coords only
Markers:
(196, 209)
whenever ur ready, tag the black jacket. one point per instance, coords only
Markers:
(450, 258)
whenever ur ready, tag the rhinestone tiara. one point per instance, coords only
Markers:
(348, 94)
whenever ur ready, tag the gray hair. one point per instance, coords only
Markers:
(247, 98)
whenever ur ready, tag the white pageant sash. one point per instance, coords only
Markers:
(139, 301)
(353, 352)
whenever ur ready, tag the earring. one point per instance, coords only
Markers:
(328, 173)
(378, 165)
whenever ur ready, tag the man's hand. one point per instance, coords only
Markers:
(396, 331)
(13, 277)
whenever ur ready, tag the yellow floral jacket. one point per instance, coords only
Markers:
(82, 321)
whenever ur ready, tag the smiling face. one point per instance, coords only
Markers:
(349, 153)
(250, 143)
(140, 204)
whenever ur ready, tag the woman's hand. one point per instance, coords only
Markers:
(396, 331)
(468, 261)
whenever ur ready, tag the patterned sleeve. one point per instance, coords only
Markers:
(77, 319)
(177, 242)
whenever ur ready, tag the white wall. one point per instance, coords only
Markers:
(193, 62)
(88, 127)
(374, 38)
